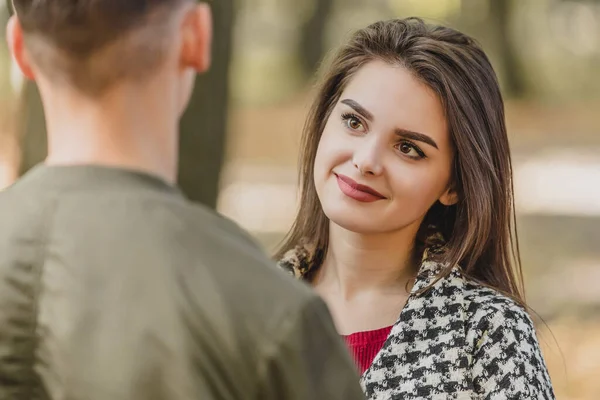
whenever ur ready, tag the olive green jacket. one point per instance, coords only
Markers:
(113, 286)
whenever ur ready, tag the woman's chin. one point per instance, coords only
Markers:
(360, 225)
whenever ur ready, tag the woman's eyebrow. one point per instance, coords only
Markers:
(416, 136)
(358, 108)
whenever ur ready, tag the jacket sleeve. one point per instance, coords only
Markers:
(508, 362)
(308, 360)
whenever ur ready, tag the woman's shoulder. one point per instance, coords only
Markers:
(485, 313)
(500, 328)
(486, 306)
(504, 344)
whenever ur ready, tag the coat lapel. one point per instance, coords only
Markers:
(426, 342)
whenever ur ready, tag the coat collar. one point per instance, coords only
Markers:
(300, 262)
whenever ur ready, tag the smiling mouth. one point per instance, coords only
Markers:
(356, 191)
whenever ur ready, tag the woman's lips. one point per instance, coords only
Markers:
(356, 191)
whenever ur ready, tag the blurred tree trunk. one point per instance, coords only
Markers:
(501, 12)
(489, 21)
(312, 39)
(9, 146)
(203, 126)
(33, 128)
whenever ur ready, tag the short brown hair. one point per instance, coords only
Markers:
(480, 229)
(90, 44)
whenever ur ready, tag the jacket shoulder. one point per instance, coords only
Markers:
(485, 305)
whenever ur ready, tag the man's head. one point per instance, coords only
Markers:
(93, 45)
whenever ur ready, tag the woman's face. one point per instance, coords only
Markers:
(385, 155)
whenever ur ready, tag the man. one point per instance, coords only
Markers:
(112, 285)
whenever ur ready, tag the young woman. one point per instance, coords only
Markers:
(406, 219)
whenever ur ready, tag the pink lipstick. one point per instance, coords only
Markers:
(356, 191)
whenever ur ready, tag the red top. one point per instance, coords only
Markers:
(364, 346)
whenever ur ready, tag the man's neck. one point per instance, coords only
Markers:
(129, 128)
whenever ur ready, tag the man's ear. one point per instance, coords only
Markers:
(450, 197)
(197, 38)
(14, 37)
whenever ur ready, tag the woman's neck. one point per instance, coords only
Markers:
(358, 263)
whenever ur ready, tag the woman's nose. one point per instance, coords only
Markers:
(367, 158)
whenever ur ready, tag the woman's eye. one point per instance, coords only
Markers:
(352, 122)
(410, 150)
(406, 148)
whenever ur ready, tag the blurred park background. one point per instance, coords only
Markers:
(241, 133)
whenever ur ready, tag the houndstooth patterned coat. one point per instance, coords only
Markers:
(457, 340)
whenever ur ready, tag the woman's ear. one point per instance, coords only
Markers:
(15, 40)
(450, 197)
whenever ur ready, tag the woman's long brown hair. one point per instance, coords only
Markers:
(481, 228)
